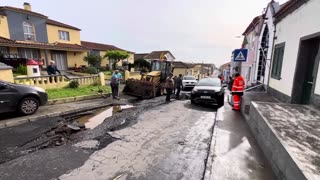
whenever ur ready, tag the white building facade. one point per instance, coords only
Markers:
(251, 42)
(295, 76)
(265, 43)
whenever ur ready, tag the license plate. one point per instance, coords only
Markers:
(205, 97)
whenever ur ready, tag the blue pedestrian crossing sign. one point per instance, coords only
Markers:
(240, 55)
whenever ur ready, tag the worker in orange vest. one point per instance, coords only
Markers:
(237, 91)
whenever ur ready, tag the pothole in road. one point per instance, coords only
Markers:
(62, 134)
(93, 120)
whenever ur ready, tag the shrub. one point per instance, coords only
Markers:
(21, 69)
(74, 84)
(91, 70)
(93, 60)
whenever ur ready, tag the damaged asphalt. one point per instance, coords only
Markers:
(152, 140)
(21, 159)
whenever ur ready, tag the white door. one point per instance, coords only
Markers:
(60, 59)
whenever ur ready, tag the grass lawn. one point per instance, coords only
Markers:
(80, 91)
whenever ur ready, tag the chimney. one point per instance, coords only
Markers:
(27, 6)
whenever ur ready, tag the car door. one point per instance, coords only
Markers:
(7, 98)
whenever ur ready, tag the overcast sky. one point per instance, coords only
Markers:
(193, 30)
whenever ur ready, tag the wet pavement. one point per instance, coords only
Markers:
(234, 151)
(150, 140)
(297, 128)
(168, 142)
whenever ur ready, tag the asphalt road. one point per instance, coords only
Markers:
(167, 142)
(155, 140)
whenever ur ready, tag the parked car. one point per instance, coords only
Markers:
(22, 98)
(208, 90)
(188, 82)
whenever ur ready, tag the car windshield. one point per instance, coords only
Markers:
(189, 78)
(209, 82)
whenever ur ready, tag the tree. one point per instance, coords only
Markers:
(93, 60)
(115, 56)
(142, 64)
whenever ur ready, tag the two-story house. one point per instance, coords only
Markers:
(160, 55)
(31, 35)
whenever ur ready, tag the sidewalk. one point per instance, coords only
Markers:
(289, 136)
(234, 153)
(61, 109)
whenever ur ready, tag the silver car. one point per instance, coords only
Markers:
(188, 82)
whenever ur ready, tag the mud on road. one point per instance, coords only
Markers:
(59, 144)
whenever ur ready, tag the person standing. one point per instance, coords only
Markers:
(52, 71)
(237, 91)
(169, 87)
(115, 85)
(175, 84)
(230, 83)
(178, 86)
(119, 75)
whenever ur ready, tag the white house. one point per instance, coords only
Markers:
(295, 75)
(265, 44)
(160, 55)
(251, 42)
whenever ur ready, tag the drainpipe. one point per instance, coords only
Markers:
(271, 58)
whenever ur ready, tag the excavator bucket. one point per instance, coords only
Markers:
(140, 88)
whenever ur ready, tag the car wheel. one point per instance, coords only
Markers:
(28, 106)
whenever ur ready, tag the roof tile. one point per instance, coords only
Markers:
(56, 23)
(22, 11)
(100, 47)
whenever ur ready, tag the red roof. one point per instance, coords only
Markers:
(48, 21)
(22, 11)
(32, 62)
(101, 47)
(38, 45)
(56, 23)
(157, 54)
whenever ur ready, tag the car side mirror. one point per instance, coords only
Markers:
(4, 86)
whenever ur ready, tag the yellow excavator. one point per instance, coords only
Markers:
(152, 84)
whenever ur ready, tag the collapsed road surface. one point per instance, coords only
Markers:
(152, 140)
(167, 142)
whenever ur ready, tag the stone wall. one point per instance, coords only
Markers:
(6, 73)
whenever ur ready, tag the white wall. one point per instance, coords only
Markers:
(268, 22)
(300, 23)
(169, 57)
(317, 88)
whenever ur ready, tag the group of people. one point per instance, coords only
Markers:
(173, 85)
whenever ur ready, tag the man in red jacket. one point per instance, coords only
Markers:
(237, 91)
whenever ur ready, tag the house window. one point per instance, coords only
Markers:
(29, 53)
(95, 53)
(277, 61)
(64, 35)
(28, 31)
(4, 50)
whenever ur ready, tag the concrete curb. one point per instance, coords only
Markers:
(24, 120)
(275, 150)
(74, 99)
